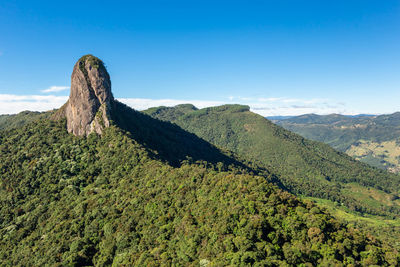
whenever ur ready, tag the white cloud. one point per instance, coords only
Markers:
(11, 104)
(274, 106)
(145, 103)
(269, 99)
(53, 89)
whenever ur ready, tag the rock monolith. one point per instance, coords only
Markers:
(90, 102)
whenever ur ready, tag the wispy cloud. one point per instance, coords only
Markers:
(145, 103)
(53, 89)
(11, 104)
(289, 107)
(273, 106)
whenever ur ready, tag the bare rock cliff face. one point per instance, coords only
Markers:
(90, 102)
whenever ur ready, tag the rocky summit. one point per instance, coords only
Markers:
(90, 102)
(148, 193)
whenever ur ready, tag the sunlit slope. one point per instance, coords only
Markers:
(371, 139)
(110, 200)
(306, 167)
(20, 119)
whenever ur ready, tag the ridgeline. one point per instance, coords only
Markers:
(143, 192)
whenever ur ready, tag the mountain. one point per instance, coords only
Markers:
(20, 119)
(107, 199)
(370, 139)
(315, 116)
(305, 167)
(141, 192)
(352, 191)
(274, 118)
(90, 102)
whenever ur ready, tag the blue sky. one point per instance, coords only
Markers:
(279, 57)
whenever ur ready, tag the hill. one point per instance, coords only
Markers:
(20, 119)
(370, 139)
(305, 167)
(121, 188)
(102, 200)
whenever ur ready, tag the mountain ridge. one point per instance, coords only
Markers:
(373, 140)
(253, 136)
(145, 192)
(99, 209)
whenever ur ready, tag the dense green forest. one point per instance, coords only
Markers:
(371, 139)
(20, 119)
(305, 167)
(113, 200)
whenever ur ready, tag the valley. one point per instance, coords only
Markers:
(370, 139)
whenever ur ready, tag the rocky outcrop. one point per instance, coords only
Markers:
(90, 102)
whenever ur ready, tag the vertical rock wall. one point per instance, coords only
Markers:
(90, 102)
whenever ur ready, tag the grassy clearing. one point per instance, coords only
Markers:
(371, 195)
(387, 153)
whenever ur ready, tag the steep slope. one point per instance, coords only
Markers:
(305, 167)
(168, 141)
(103, 200)
(90, 102)
(119, 197)
(371, 139)
(21, 119)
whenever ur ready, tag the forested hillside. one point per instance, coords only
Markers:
(370, 139)
(305, 167)
(97, 183)
(107, 199)
(20, 119)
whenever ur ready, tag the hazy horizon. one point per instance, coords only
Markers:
(143, 104)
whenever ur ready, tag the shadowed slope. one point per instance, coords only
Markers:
(104, 200)
(171, 142)
(305, 167)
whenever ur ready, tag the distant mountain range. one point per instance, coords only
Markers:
(371, 139)
(280, 118)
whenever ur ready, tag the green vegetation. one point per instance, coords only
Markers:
(20, 119)
(304, 167)
(384, 229)
(113, 200)
(92, 60)
(166, 113)
(371, 139)
(169, 142)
